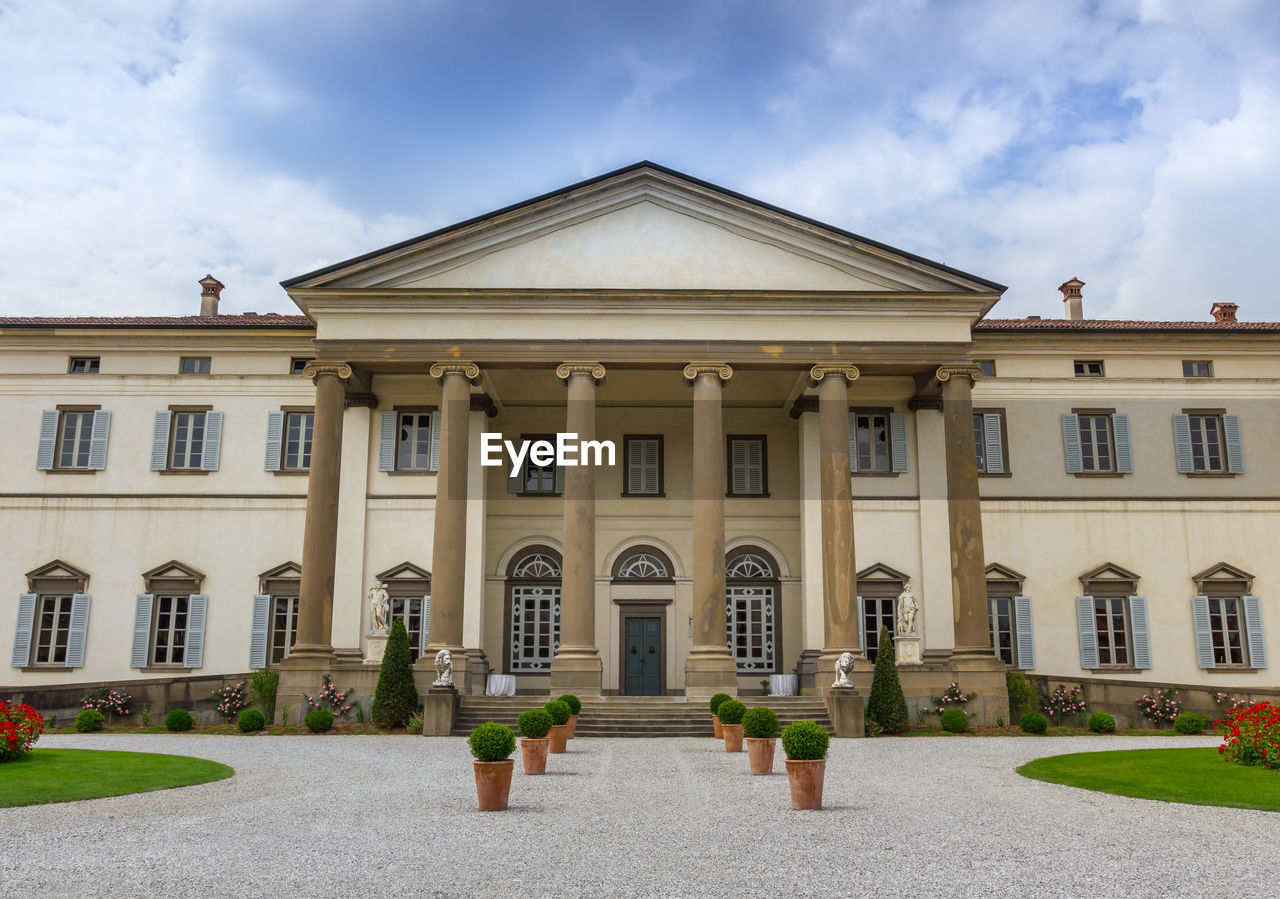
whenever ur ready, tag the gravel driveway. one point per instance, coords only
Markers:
(383, 816)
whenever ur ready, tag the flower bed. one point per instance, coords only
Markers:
(1251, 736)
(20, 726)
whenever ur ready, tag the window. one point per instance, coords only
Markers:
(409, 609)
(296, 452)
(169, 619)
(644, 566)
(642, 464)
(1226, 630)
(1111, 620)
(987, 367)
(1096, 451)
(533, 603)
(1197, 369)
(1000, 619)
(1096, 441)
(748, 471)
(53, 618)
(186, 439)
(1088, 368)
(414, 442)
(193, 365)
(169, 638)
(83, 365)
(535, 477)
(871, 442)
(989, 441)
(75, 439)
(52, 629)
(284, 626)
(187, 446)
(1228, 619)
(877, 612)
(298, 364)
(750, 616)
(1206, 443)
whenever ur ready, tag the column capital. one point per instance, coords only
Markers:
(468, 370)
(720, 369)
(314, 370)
(594, 369)
(848, 372)
(964, 369)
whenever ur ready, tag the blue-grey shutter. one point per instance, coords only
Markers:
(197, 607)
(1253, 624)
(515, 482)
(22, 636)
(160, 442)
(387, 441)
(258, 631)
(436, 418)
(1124, 449)
(993, 442)
(1026, 637)
(98, 439)
(275, 439)
(755, 466)
(1204, 633)
(862, 629)
(1088, 632)
(1141, 632)
(1071, 442)
(898, 442)
(853, 442)
(48, 439)
(141, 630)
(560, 479)
(1235, 445)
(652, 466)
(426, 623)
(1182, 442)
(212, 441)
(79, 630)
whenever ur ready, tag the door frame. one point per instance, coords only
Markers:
(641, 608)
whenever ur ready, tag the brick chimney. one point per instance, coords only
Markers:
(1072, 300)
(1223, 312)
(210, 293)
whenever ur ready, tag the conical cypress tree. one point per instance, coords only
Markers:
(886, 703)
(395, 698)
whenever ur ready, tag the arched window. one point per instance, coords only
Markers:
(751, 621)
(643, 563)
(533, 609)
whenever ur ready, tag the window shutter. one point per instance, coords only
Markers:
(1124, 450)
(1204, 633)
(560, 479)
(387, 441)
(1141, 632)
(993, 442)
(22, 636)
(653, 466)
(862, 628)
(1026, 636)
(1253, 624)
(635, 466)
(738, 466)
(258, 631)
(78, 631)
(515, 482)
(1071, 442)
(275, 439)
(212, 441)
(426, 623)
(160, 442)
(1088, 632)
(853, 443)
(141, 630)
(98, 440)
(898, 442)
(755, 466)
(437, 420)
(1182, 442)
(194, 656)
(48, 439)
(1235, 446)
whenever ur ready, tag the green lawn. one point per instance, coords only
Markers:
(1195, 776)
(64, 775)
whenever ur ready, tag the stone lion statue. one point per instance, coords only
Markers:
(444, 669)
(907, 610)
(844, 665)
(379, 608)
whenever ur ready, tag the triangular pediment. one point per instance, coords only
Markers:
(405, 571)
(173, 569)
(287, 571)
(58, 569)
(882, 572)
(998, 572)
(1224, 573)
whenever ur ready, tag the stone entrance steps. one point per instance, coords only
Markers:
(627, 716)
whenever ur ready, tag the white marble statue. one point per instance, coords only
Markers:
(844, 665)
(444, 669)
(907, 609)
(379, 608)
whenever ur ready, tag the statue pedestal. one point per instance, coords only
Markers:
(846, 708)
(376, 646)
(907, 649)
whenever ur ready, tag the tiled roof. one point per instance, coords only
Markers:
(240, 320)
(1099, 324)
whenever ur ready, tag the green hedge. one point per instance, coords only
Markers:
(1102, 723)
(89, 721)
(318, 720)
(179, 720)
(1034, 723)
(954, 721)
(1190, 723)
(251, 721)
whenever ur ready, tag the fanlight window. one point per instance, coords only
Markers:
(534, 610)
(643, 565)
(537, 565)
(749, 565)
(750, 624)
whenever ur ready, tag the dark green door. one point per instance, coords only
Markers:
(642, 651)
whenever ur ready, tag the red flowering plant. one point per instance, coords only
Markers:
(1251, 736)
(20, 726)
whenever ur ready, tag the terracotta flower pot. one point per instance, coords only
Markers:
(559, 737)
(715, 721)
(760, 754)
(805, 777)
(534, 753)
(732, 737)
(573, 726)
(493, 784)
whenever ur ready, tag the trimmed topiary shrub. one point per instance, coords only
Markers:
(731, 711)
(1102, 723)
(493, 742)
(318, 720)
(1190, 723)
(717, 699)
(89, 721)
(886, 704)
(535, 724)
(558, 710)
(251, 721)
(805, 740)
(574, 703)
(1034, 723)
(395, 698)
(179, 720)
(760, 722)
(1022, 696)
(954, 721)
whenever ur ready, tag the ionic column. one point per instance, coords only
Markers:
(449, 537)
(710, 668)
(576, 667)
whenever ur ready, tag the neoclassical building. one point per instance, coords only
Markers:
(804, 422)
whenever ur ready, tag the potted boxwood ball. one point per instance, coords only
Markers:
(575, 706)
(534, 725)
(560, 714)
(492, 744)
(805, 744)
(760, 727)
(730, 713)
(715, 706)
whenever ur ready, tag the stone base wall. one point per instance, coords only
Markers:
(1119, 697)
(157, 695)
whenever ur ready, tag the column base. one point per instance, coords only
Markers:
(439, 708)
(579, 672)
(300, 675)
(709, 673)
(979, 672)
(846, 707)
(476, 673)
(807, 672)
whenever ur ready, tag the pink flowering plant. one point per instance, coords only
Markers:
(1161, 708)
(331, 698)
(1233, 703)
(231, 700)
(951, 698)
(110, 702)
(1062, 703)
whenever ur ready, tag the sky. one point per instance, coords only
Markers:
(1134, 144)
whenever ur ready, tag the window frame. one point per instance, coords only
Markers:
(290, 598)
(771, 663)
(1004, 442)
(58, 630)
(626, 465)
(153, 650)
(509, 598)
(986, 366)
(729, 440)
(1106, 414)
(1216, 414)
(173, 436)
(400, 412)
(203, 365)
(528, 460)
(1207, 363)
(1241, 630)
(86, 436)
(887, 472)
(300, 469)
(1080, 368)
(298, 364)
(93, 365)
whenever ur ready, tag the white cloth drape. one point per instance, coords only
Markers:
(500, 685)
(783, 684)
